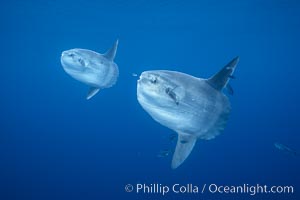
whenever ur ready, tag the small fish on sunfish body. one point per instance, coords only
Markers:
(285, 148)
(96, 70)
(195, 108)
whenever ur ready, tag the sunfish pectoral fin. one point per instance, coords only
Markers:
(92, 92)
(185, 145)
(111, 53)
(220, 79)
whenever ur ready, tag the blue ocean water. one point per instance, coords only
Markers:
(54, 144)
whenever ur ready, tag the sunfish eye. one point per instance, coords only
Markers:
(71, 55)
(153, 80)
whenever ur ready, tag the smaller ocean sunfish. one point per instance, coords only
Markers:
(94, 69)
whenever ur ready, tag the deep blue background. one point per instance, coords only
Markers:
(54, 144)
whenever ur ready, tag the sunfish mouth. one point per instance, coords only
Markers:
(145, 77)
(65, 53)
(140, 79)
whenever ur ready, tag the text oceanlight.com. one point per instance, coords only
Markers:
(176, 188)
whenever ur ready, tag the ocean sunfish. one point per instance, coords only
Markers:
(94, 69)
(195, 108)
(285, 148)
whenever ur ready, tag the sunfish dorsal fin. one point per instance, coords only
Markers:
(92, 92)
(220, 79)
(185, 145)
(111, 53)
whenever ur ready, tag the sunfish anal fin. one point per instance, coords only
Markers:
(220, 79)
(185, 145)
(92, 92)
(111, 53)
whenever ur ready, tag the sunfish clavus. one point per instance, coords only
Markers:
(94, 69)
(195, 108)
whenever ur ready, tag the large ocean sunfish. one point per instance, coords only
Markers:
(94, 69)
(195, 108)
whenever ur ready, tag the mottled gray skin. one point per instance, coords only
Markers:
(94, 69)
(193, 107)
(199, 109)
